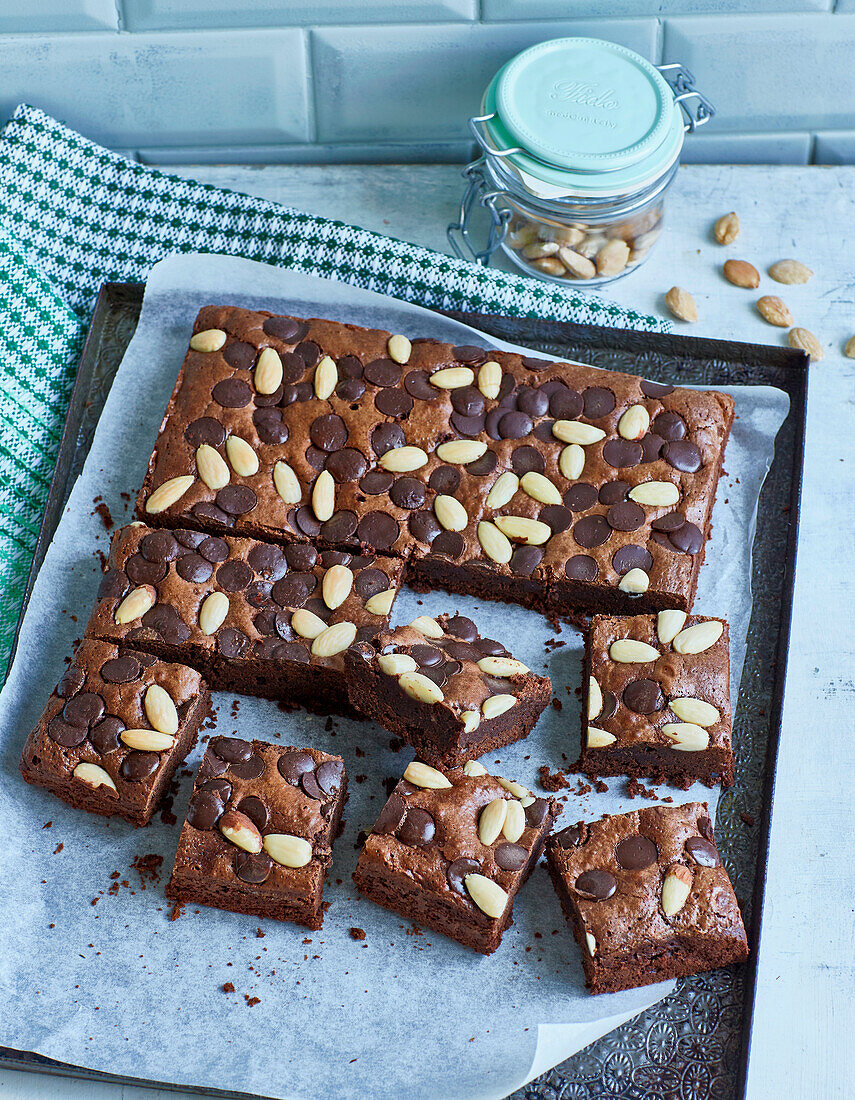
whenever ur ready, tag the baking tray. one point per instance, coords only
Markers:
(696, 1042)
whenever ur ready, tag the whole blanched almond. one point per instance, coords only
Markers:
(635, 582)
(686, 736)
(574, 431)
(462, 451)
(630, 651)
(490, 379)
(147, 740)
(243, 458)
(212, 467)
(634, 423)
(323, 496)
(399, 348)
(681, 304)
(698, 638)
(286, 483)
(135, 604)
(655, 494)
(241, 831)
(502, 490)
(494, 705)
(473, 768)
(512, 787)
(288, 850)
(212, 613)
(403, 460)
(471, 720)
(742, 273)
(533, 532)
(591, 944)
(326, 378)
(381, 602)
(595, 698)
(669, 624)
(160, 710)
(492, 820)
(212, 339)
(489, 896)
(167, 494)
(539, 488)
(774, 310)
(676, 888)
(598, 739)
(539, 250)
(727, 228)
(421, 688)
(805, 340)
(514, 826)
(427, 626)
(503, 666)
(393, 664)
(571, 462)
(450, 512)
(612, 257)
(452, 378)
(268, 372)
(93, 776)
(335, 639)
(790, 272)
(337, 583)
(307, 624)
(495, 545)
(577, 264)
(695, 711)
(426, 777)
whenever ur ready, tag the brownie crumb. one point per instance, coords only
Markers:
(104, 512)
(600, 787)
(228, 988)
(357, 933)
(251, 1001)
(634, 789)
(747, 819)
(58, 849)
(177, 911)
(553, 781)
(259, 935)
(148, 868)
(557, 704)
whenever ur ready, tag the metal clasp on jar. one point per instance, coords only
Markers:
(459, 232)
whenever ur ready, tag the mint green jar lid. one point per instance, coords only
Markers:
(585, 114)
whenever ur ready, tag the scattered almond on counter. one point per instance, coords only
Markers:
(804, 339)
(774, 310)
(790, 272)
(849, 350)
(742, 273)
(682, 304)
(727, 228)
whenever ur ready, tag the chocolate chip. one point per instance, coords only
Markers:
(293, 369)
(580, 497)
(596, 884)
(468, 353)
(278, 397)
(382, 372)
(268, 561)
(669, 522)
(140, 571)
(393, 402)
(683, 455)
(204, 510)
(613, 492)
(622, 453)
(592, 531)
(270, 426)
(426, 655)
(189, 540)
(234, 576)
(532, 401)
(462, 627)
(328, 433)
(139, 765)
(165, 620)
(350, 389)
(511, 857)
(702, 852)
(339, 527)
(348, 464)
(205, 810)
(329, 775)
(514, 425)
(113, 586)
(255, 810)
(467, 400)
(239, 354)
(301, 557)
(530, 363)
(571, 837)
(213, 549)
(417, 385)
(205, 430)
(535, 813)
(705, 829)
(307, 522)
(385, 437)
(670, 425)
(159, 546)
(688, 538)
(193, 568)
(445, 479)
(448, 543)
(609, 707)
(390, 816)
(468, 426)
(462, 651)
(634, 853)
(376, 482)
(525, 459)
(598, 402)
(643, 697)
(564, 403)
(368, 582)
(625, 516)
(655, 389)
(294, 763)
(483, 465)
(349, 367)
(490, 648)
(105, 735)
(417, 829)
(236, 500)
(285, 329)
(232, 393)
(581, 567)
(651, 447)
(525, 559)
(84, 709)
(408, 492)
(66, 733)
(252, 867)
(557, 517)
(121, 670)
(632, 557)
(377, 529)
(232, 643)
(457, 872)
(71, 682)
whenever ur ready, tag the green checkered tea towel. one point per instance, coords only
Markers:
(79, 216)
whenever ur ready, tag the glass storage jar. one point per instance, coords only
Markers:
(580, 141)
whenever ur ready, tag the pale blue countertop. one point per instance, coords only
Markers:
(805, 1013)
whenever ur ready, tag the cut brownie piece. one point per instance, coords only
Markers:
(450, 851)
(114, 730)
(251, 617)
(259, 831)
(646, 896)
(555, 485)
(446, 690)
(658, 699)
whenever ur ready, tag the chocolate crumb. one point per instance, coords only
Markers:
(228, 988)
(357, 933)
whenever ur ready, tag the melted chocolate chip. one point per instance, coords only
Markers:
(571, 837)
(417, 829)
(267, 561)
(622, 453)
(377, 529)
(205, 430)
(564, 403)
(613, 492)
(670, 425)
(193, 568)
(484, 465)
(232, 393)
(669, 522)
(205, 810)
(632, 557)
(390, 816)
(703, 852)
(634, 853)
(609, 708)
(445, 479)
(376, 482)
(252, 867)
(449, 543)
(105, 735)
(248, 769)
(580, 497)
(234, 576)
(385, 437)
(165, 621)
(382, 372)
(525, 559)
(462, 627)
(286, 329)
(121, 670)
(525, 459)
(408, 492)
(84, 709)
(655, 389)
(140, 571)
(596, 884)
(591, 531)
(535, 813)
(625, 516)
(65, 733)
(511, 857)
(643, 697)
(293, 764)
(581, 567)
(71, 683)
(159, 546)
(255, 810)
(457, 872)
(688, 538)
(239, 355)
(470, 354)
(236, 500)
(417, 385)
(598, 402)
(139, 765)
(683, 455)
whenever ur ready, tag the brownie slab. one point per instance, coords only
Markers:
(259, 831)
(114, 730)
(447, 691)
(450, 850)
(554, 485)
(658, 700)
(253, 618)
(646, 896)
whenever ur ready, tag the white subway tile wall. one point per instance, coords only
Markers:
(373, 81)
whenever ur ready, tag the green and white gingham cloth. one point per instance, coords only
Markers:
(75, 215)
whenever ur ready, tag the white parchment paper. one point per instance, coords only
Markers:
(105, 980)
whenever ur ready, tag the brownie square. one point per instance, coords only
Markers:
(447, 691)
(114, 730)
(259, 831)
(658, 699)
(646, 896)
(451, 849)
(556, 485)
(253, 618)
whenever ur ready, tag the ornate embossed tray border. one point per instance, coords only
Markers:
(695, 1043)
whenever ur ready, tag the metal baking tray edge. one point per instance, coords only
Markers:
(113, 322)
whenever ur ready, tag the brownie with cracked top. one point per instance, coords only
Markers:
(259, 830)
(658, 702)
(447, 691)
(450, 850)
(253, 618)
(114, 730)
(646, 896)
(556, 485)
